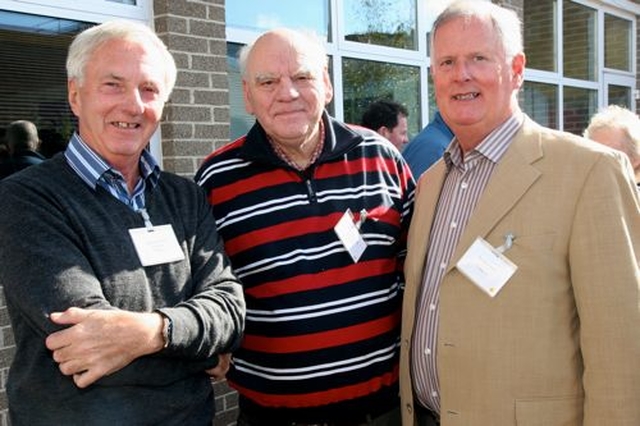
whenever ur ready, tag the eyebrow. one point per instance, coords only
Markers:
(151, 82)
(262, 76)
(259, 77)
(113, 76)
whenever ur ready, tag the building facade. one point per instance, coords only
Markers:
(581, 55)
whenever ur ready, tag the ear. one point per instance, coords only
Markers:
(73, 94)
(384, 131)
(517, 67)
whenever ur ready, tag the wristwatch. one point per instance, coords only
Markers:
(167, 330)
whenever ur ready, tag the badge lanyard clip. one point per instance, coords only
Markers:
(147, 219)
(508, 242)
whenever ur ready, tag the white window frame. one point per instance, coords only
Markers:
(620, 8)
(82, 10)
(617, 79)
(615, 76)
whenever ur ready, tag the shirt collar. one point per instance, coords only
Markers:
(90, 166)
(314, 155)
(492, 147)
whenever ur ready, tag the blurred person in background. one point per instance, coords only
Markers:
(22, 142)
(389, 119)
(618, 128)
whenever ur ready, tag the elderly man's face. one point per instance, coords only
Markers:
(285, 89)
(119, 104)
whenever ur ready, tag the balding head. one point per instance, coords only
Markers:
(22, 135)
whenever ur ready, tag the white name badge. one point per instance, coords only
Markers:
(486, 267)
(156, 245)
(349, 234)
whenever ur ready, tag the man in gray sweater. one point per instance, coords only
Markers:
(119, 292)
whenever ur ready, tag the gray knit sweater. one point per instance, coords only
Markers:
(64, 244)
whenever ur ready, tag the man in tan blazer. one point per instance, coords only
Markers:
(522, 300)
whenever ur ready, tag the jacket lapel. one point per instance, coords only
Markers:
(511, 179)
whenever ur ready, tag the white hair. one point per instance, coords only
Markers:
(88, 41)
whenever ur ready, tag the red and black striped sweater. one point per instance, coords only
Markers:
(322, 331)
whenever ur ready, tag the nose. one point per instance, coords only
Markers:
(133, 102)
(287, 89)
(462, 71)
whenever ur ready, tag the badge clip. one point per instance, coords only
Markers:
(508, 242)
(147, 219)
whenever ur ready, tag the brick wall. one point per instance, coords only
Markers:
(196, 118)
(7, 349)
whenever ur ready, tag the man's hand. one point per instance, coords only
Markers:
(100, 342)
(219, 371)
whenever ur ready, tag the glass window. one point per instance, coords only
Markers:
(617, 43)
(540, 102)
(267, 14)
(382, 22)
(579, 42)
(579, 105)
(34, 82)
(619, 95)
(132, 2)
(366, 81)
(540, 34)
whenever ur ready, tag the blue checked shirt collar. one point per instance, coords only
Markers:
(95, 171)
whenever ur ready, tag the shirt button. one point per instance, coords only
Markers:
(427, 351)
(454, 225)
(443, 265)
(464, 185)
(434, 394)
(432, 307)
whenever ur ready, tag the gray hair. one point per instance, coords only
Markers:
(617, 117)
(314, 47)
(91, 39)
(505, 22)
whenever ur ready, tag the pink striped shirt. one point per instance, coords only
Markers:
(464, 184)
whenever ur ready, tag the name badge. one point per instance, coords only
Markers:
(349, 233)
(156, 245)
(486, 266)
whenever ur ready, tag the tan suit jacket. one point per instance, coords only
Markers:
(560, 343)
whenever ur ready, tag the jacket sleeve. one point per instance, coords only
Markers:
(604, 254)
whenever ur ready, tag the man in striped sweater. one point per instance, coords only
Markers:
(314, 216)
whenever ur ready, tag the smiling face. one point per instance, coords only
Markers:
(475, 84)
(120, 100)
(286, 88)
